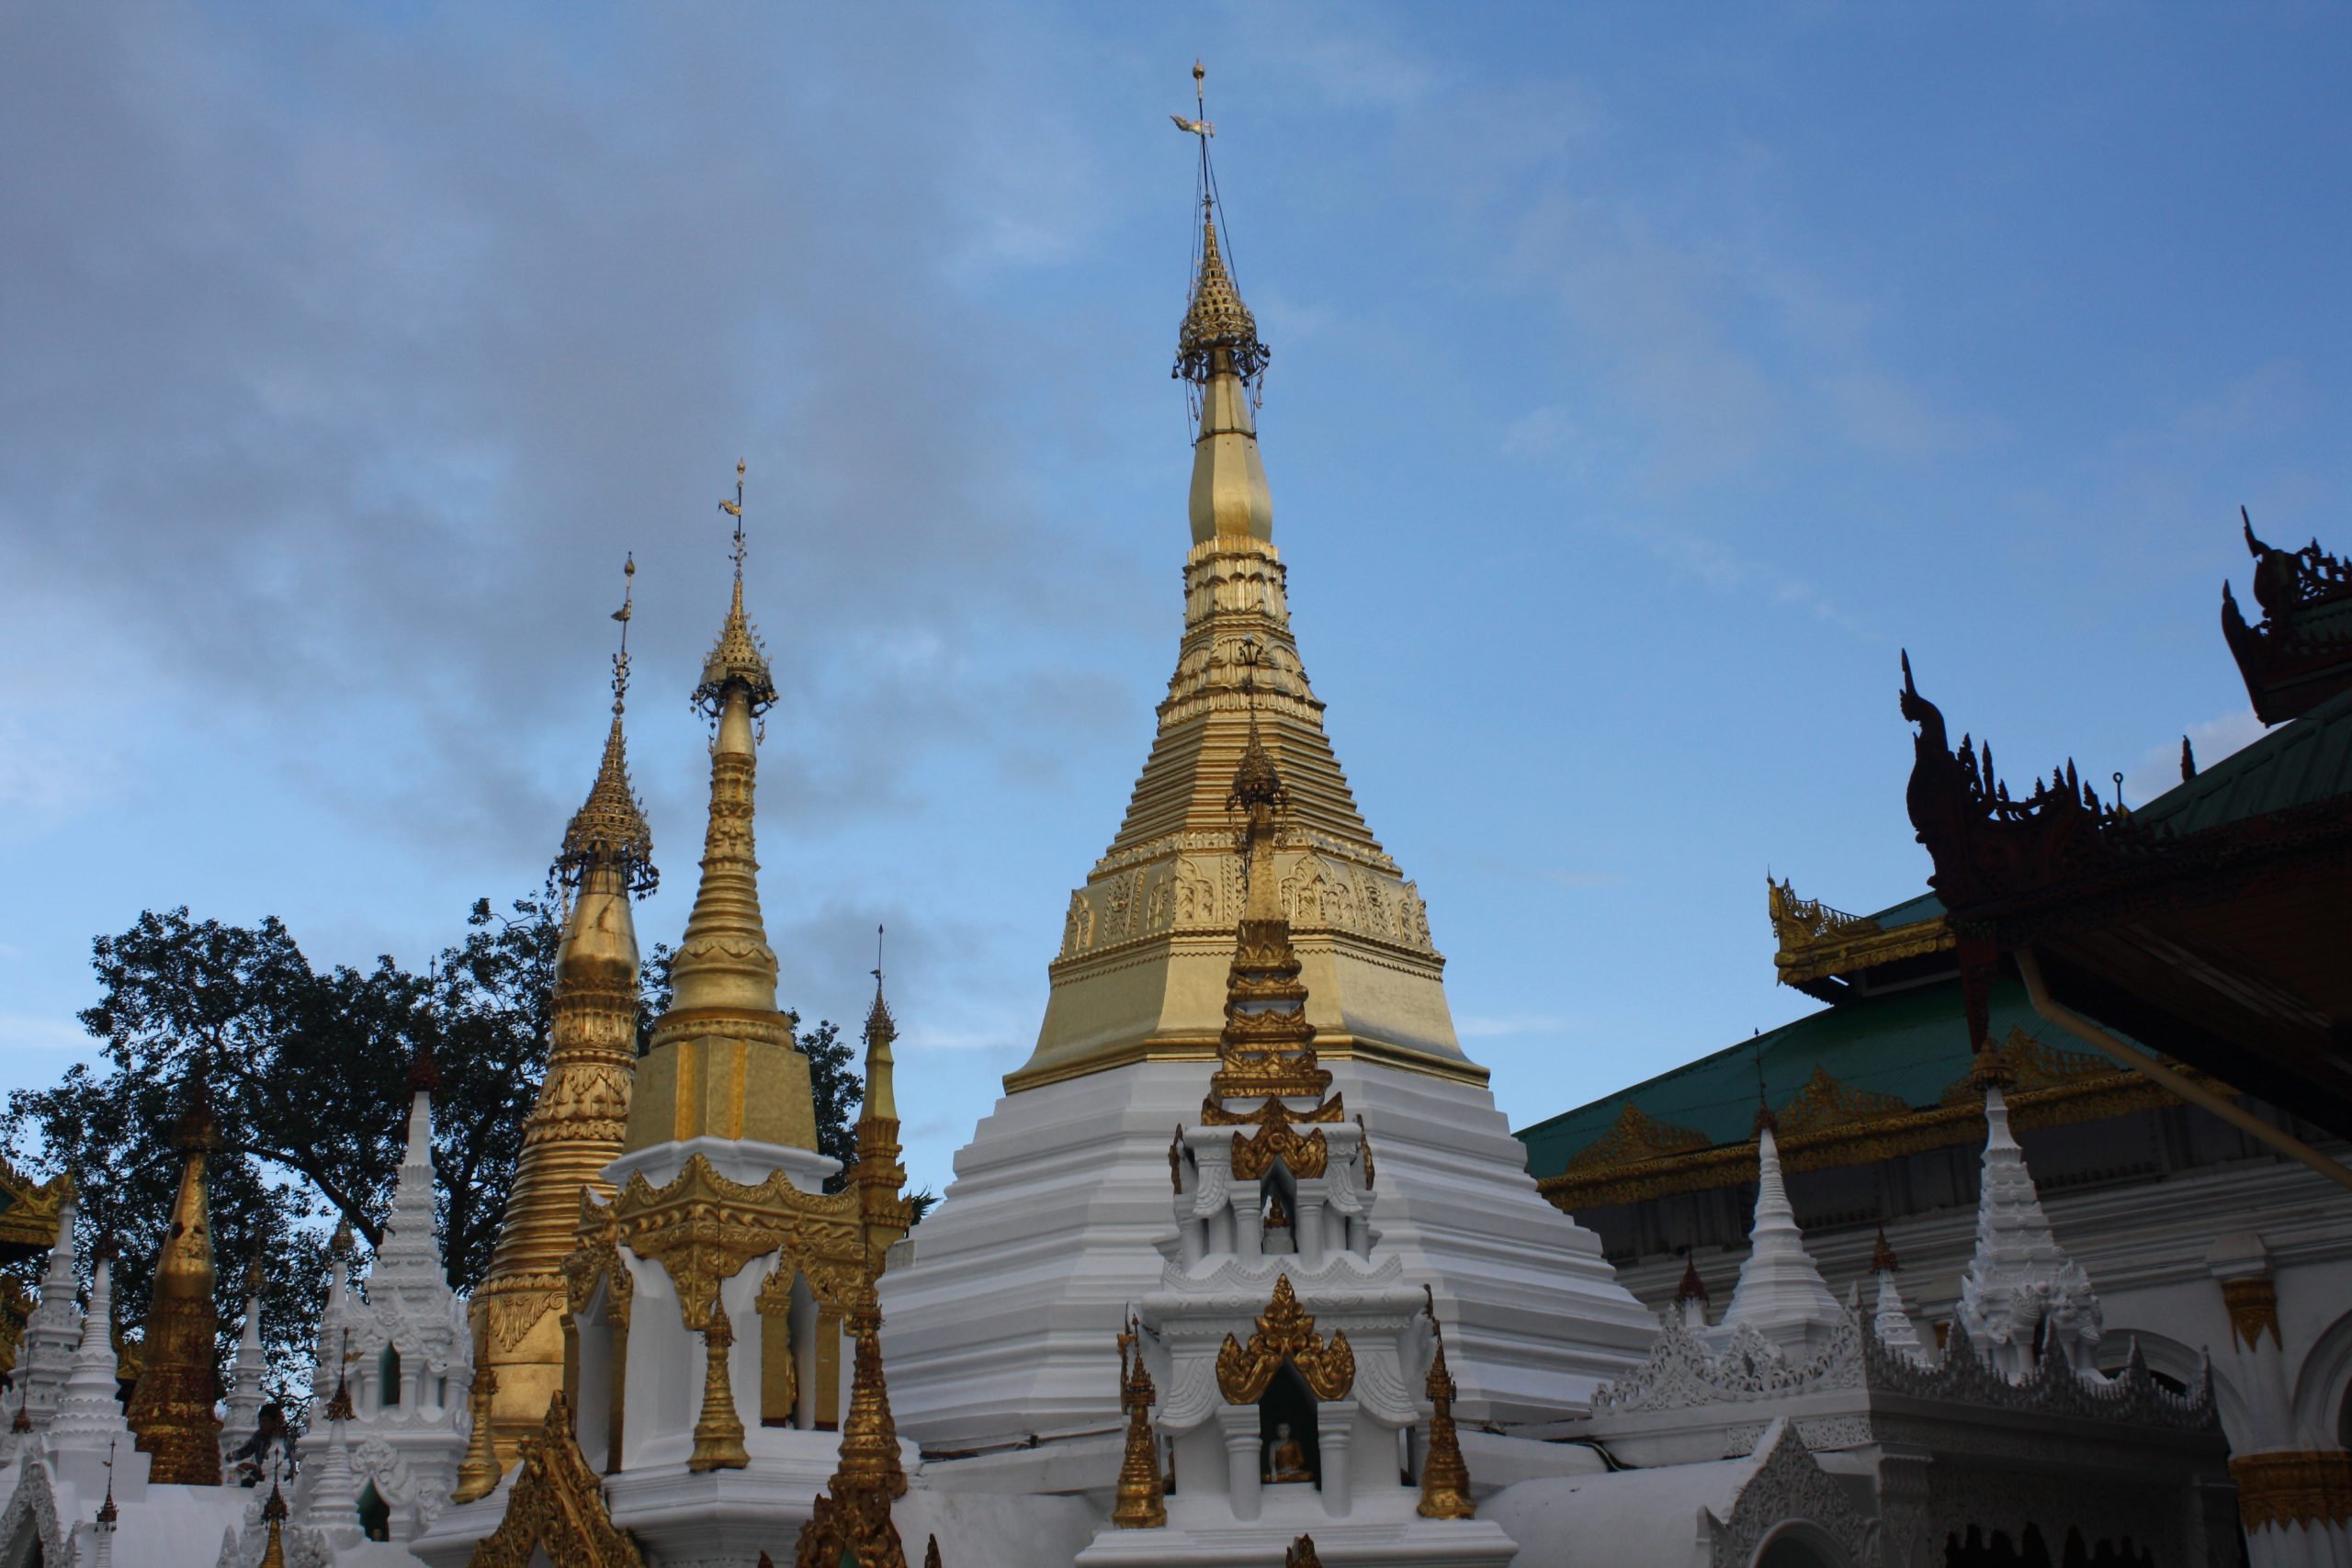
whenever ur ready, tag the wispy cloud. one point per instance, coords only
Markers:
(1483, 1026)
(2215, 738)
(1727, 572)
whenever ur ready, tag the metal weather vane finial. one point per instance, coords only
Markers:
(623, 614)
(1199, 125)
(735, 508)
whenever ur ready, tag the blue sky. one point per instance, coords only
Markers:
(1644, 377)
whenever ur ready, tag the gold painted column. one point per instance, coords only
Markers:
(2294, 1501)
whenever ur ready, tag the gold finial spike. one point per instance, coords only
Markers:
(1199, 124)
(1445, 1479)
(1142, 1493)
(719, 1434)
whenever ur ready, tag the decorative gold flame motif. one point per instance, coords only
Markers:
(1285, 1333)
(556, 1507)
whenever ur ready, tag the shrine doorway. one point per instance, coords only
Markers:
(1288, 1406)
(1801, 1546)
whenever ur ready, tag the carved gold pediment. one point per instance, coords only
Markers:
(1634, 1137)
(556, 1507)
(29, 1210)
(854, 1531)
(596, 1258)
(2026, 1065)
(703, 1228)
(1824, 1103)
(1285, 1333)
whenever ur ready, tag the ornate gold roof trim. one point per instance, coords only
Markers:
(703, 1228)
(1636, 1138)
(1824, 1104)
(1817, 942)
(557, 1506)
(2057, 1092)
(29, 1210)
(1328, 1048)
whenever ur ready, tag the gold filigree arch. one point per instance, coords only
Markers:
(1285, 1333)
(557, 1506)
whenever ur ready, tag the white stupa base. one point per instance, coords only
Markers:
(998, 1331)
(719, 1517)
(1382, 1530)
(450, 1540)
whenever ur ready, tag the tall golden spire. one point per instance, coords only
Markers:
(1145, 941)
(1219, 352)
(171, 1404)
(723, 1063)
(575, 1127)
(878, 1177)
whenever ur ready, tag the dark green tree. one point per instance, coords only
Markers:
(307, 1071)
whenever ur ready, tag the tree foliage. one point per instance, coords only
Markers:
(307, 1069)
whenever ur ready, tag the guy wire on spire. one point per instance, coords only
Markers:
(735, 508)
(623, 614)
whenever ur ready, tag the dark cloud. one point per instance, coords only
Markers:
(349, 356)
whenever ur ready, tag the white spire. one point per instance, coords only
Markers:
(332, 1501)
(1890, 1321)
(411, 1255)
(2020, 1279)
(245, 1373)
(1780, 1293)
(89, 1411)
(51, 1328)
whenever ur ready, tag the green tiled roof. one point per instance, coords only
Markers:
(1910, 1043)
(2302, 760)
(1910, 912)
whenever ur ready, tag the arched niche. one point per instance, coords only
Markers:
(1289, 1404)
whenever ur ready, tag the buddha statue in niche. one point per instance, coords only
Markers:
(1285, 1460)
